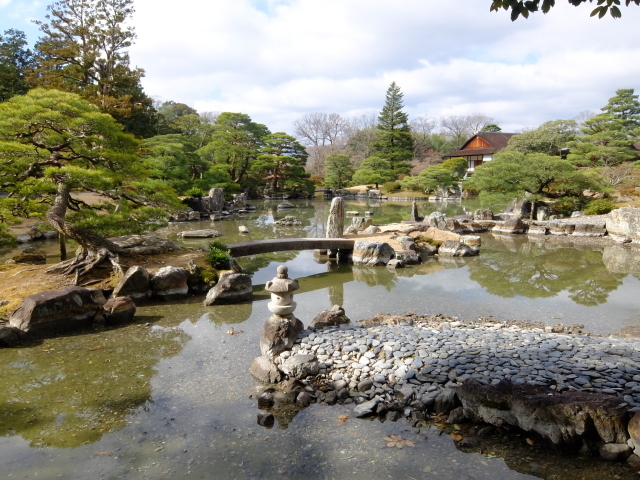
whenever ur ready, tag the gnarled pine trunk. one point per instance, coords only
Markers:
(94, 249)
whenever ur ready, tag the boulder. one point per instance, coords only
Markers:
(56, 311)
(542, 213)
(216, 202)
(537, 230)
(30, 258)
(170, 282)
(146, 244)
(285, 205)
(426, 250)
(436, 219)
(407, 257)
(453, 225)
(633, 429)
(373, 193)
(199, 234)
(485, 214)
(243, 229)
(394, 263)
(366, 408)
(474, 241)
(279, 333)
(135, 284)
(415, 217)
(407, 242)
(371, 253)
(360, 223)
(328, 318)
(350, 230)
(264, 370)
(300, 366)
(624, 222)
(195, 216)
(288, 221)
(562, 418)
(614, 452)
(9, 336)
(371, 229)
(589, 230)
(119, 310)
(456, 249)
(232, 288)
(511, 226)
(561, 228)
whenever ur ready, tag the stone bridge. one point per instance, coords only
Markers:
(242, 249)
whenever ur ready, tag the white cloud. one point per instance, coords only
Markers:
(279, 59)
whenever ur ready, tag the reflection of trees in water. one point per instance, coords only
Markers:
(75, 389)
(541, 273)
(253, 263)
(375, 276)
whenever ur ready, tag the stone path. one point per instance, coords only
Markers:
(427, 356)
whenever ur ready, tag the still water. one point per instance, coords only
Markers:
(168, 397)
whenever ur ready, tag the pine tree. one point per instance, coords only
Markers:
(394, 141)
(84, 51)
(608, 137)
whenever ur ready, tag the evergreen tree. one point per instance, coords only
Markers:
(374, 169)
(338, 170)
(84, 51)
(235, 144)
(52, 142)
(15, 59)
(393, 135)
(282, 162)
(608, 137)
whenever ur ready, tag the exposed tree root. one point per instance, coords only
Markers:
(85, 261)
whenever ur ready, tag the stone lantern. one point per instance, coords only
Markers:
(281, 289)
(279, 334)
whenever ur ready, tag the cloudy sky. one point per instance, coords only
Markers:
(279, 59)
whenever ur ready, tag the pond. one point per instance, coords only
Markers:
(168, 396)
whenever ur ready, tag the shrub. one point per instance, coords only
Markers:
(599, 206)
(218, 255)
(565, 206)
(391, 187)
(317, 179)
(194, 192)
(6, 237)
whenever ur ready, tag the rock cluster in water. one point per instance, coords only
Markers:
(581, 387)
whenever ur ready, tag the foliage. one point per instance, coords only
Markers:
(6, 237)
(599, 206)
(195, 192)
(171, 158)
(218, 255)
(338, 170)
(391, 187)
(317, 179)
(565, 206)
(548, 138)
(84, 50)
(535, 175)
(51, 139)
(524, 7)
(608, 137)
(374, 169)
(235, 144)
(443, 175)
(393, 137)
(15, 59)
(281, 164)
(491, 127)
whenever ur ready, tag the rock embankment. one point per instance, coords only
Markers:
(419, 364)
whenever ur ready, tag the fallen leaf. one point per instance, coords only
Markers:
(530, 442)
(343, 417)
(456, 437)
(426, 469)
(98, 347)
(102, 454)
(158, 449)
(484, 463)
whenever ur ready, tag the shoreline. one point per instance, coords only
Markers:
(409, 365)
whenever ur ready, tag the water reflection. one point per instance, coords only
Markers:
(534, 271)
(71, 391)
